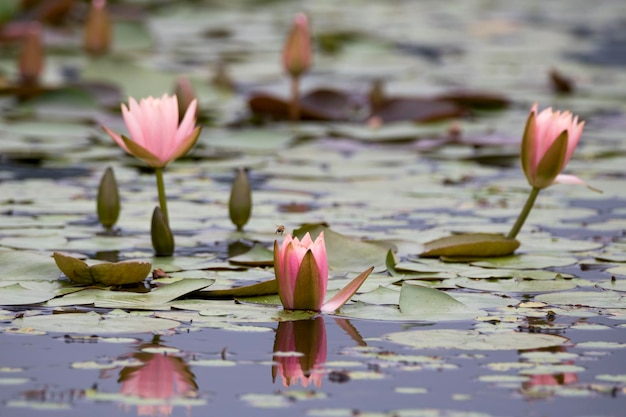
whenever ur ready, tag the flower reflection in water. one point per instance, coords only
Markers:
(300, 352)
(563, 371)
(158, 381)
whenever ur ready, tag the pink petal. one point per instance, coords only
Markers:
(117, 138)
(346, 292)
(573, 180)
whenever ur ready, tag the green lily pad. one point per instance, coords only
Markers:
(473, 340)
(94, 324)
(516, 285)
(258, 255)
(157, 298)
(423, 303)
(471, 245)
(24, 265)
(526, 262)
(597, 299)
(345, 253)
(16, 294)
(119, 273)
(260, 288)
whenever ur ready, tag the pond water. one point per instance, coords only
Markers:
(539, 333)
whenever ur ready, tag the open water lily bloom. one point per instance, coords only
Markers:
(549, 141)
(156, 137)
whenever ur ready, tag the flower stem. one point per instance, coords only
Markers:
(161, 189)
(524, 213)
(294, 105)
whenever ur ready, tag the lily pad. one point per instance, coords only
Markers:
(474, 340)
(471, 245)
(24, 265)
(258, 255)
(157, 298)
(119, 273)
(516, 285)
(94, 324)
(345, 253)
(423, 303)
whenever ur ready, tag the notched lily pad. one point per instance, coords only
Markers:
(119, 273)
(471, 245)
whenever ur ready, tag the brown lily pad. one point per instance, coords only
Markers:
(322, 104)
(416, 109)
(107, 273)
(480, 100)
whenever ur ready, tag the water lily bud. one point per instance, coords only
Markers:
(183, 90)
(108, 199)
(240, 203)
(98, 30)
(297, 54)
(162, 237)
(31, 59)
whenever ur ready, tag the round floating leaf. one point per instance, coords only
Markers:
(516, 285)
(423, 303)
(120, 273)
(94, 324)
(597, 299)
(473, 340)
(259, 255)
(16, 294)
(107, 273)
(75, 269)
(24, 265)
(471, 245)
(345, 253)
(526, 262)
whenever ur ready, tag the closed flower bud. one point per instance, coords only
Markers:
(162, 237)
(108, 199)
(240, 203)
(98, 31)
(31, 59)
(183, 90)
(297, 54)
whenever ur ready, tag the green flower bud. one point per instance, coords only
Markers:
(162, 237)
(240, 203)
(108, 199)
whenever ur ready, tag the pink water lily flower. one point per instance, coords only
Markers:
(301, 269)
(297, 53)
(155, 135)
(549, 141)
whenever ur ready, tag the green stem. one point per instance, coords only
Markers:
(294, 106)
(524, 213)
(161, 189)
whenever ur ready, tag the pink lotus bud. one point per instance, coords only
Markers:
(31, 60)
(98, 31)
(301, 269)
(297, 54)
(547, 146)
(156, 137)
